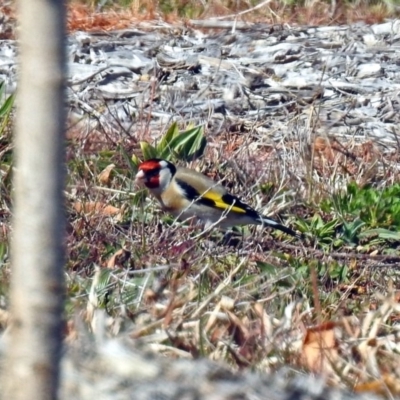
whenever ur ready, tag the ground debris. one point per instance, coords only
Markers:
(118, 369)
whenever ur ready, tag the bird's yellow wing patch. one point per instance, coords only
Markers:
(214, 199)
(225, 202)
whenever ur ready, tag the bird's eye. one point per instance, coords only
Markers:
(152, 172)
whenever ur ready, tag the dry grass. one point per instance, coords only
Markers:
(250, 303)
(86, 16)
(89, 16)
(262, 301)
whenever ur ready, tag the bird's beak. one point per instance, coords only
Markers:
(140, 176)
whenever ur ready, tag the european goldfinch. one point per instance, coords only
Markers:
(187, 194)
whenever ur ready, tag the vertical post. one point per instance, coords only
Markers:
(37, 257)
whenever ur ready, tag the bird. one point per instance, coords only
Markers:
(186, 194)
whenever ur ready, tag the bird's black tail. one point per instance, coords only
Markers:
(276, 225)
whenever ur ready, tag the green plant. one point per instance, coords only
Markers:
(366, 213)
(377, 208)
(324, 232)
(174, 145)
(5, 108)
(351, 231)
(3, 253)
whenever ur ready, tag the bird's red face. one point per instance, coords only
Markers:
(149, 173)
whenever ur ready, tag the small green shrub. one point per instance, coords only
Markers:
(376, 208)
(174, 145)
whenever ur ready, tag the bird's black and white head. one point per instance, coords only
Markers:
(156, 174)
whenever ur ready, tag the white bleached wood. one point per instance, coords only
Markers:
(35, 332)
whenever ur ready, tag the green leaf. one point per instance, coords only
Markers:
(382, 233)
(6, 107)
(317, 222)
(328, 227)
(164, 146)
(104, 286)
(189, 144)
(135, 160)
(148, 151)
(199, 143)
(266, 267)
(3, 252)
(2, 89)
(350, 228)
(302, 225)
(104, 279)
